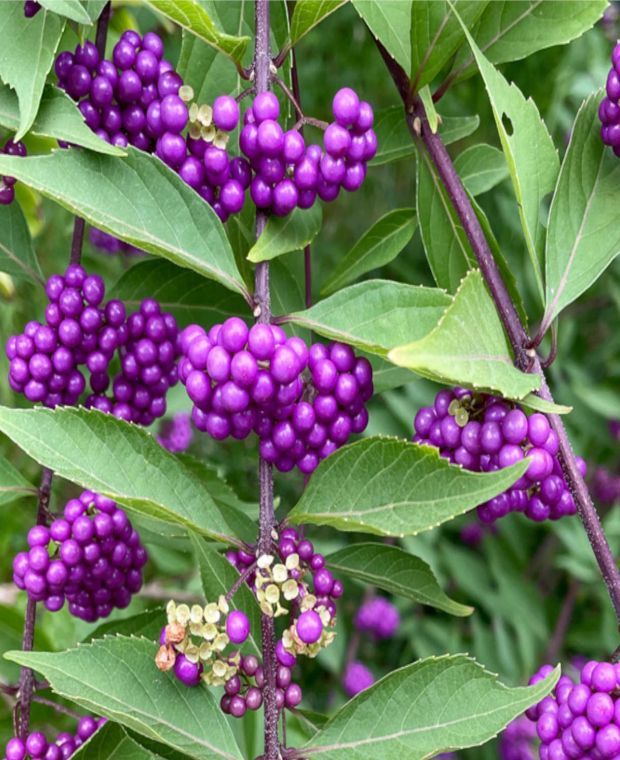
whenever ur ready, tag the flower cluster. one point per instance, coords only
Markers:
(485, 433)
(91, 557)
(195, 638)
(580, 719)
(302, 403)
(36, 744)
(379, 617)
(7, 184)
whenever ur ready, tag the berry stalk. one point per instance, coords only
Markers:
(21, 713)
(267, 518)
(519, 339)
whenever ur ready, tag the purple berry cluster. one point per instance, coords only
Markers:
(289, 174)
(91, 557)
(302, 403)
(37, 746)
(31, 8)
(582, 719)
(148, 359)
(517, 741)
(605, 486)
(379, 617)
(357, 677)
(176, 434)
(7, 184)
(485, 433)
(131, 99)
(609, 109)
(45, 358)
(110, 244)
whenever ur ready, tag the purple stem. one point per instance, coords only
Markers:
(267, 518)
(21, 713)
(525, 359)
(77, 240)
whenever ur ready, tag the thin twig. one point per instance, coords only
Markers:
(245, 93)
(546, 362)
(562, 623)
(311, 122)
(241, 580)
(289, 94)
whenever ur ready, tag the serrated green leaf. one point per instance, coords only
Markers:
(395, 140)
(218, 576)
(193, 16)
(117, 677)
(138, 199)
(583, 236)
(436, 35)
(379, 245)
(119, 460)
(538, 404)
(375, 315)
(390, 487)
(204, 69)
(435, 705)
(468, 346)
(17, 256)
(530, 153)
(385, 376)
(284, 234)
(72, 9)
(308, 13)
(390, 22)
(481, 167)
(13, 485)
(146, 624)
(396, 571)
(111, 741)
(28, 49)
(179, 291)
(57, 117)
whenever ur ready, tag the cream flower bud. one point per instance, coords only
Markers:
(272, 593)
(212, 613)
(292, 561)
(290, 590)
(279, 573)
(195, 614)
(223, 605)
(183, 614)
(264, 561)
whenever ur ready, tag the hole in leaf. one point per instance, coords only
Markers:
(507, 125)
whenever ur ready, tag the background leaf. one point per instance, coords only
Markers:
(17, 256)
(138, 199)
(481, 167)
(583, 237)
(13, 485)
(203, 68)
(28, 49)
(308, 13)
(375, 315)
(117, 677)
(437, 704)
(379, 245)
(390, 22)
(72, 9)
(468, 346)
(396, 571)
(390, 487)
(111, 741)
(283, 234)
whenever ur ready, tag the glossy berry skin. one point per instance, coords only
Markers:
(309, 627)
(187, 672)
(237, 627)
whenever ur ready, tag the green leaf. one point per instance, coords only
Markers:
(385, 376)
(583, 236)
(429, 108)
(28, 49)
(13, 485)
(530, 153)
(513, 29)
(396, 571)
(435, 705)
(58, 117)
(468, 346)
(112, 741)
(538, 404)
(390, 487)
(390, 22)
(481, 167)
(146, 624)
(204, 69)
(375, 315)
(72, 9)
(138, 199)
(17, 256)
(395, 141)
(179, 291)
(218, 576)
(119, 460)
(193, 16)
(308, 13)
(436, 35)
(379, 245)
(283, 234)
(117, 677)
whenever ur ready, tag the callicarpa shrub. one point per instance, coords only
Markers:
(309, 224)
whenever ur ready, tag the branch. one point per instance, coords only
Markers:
(267, 519)
(515, 330)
